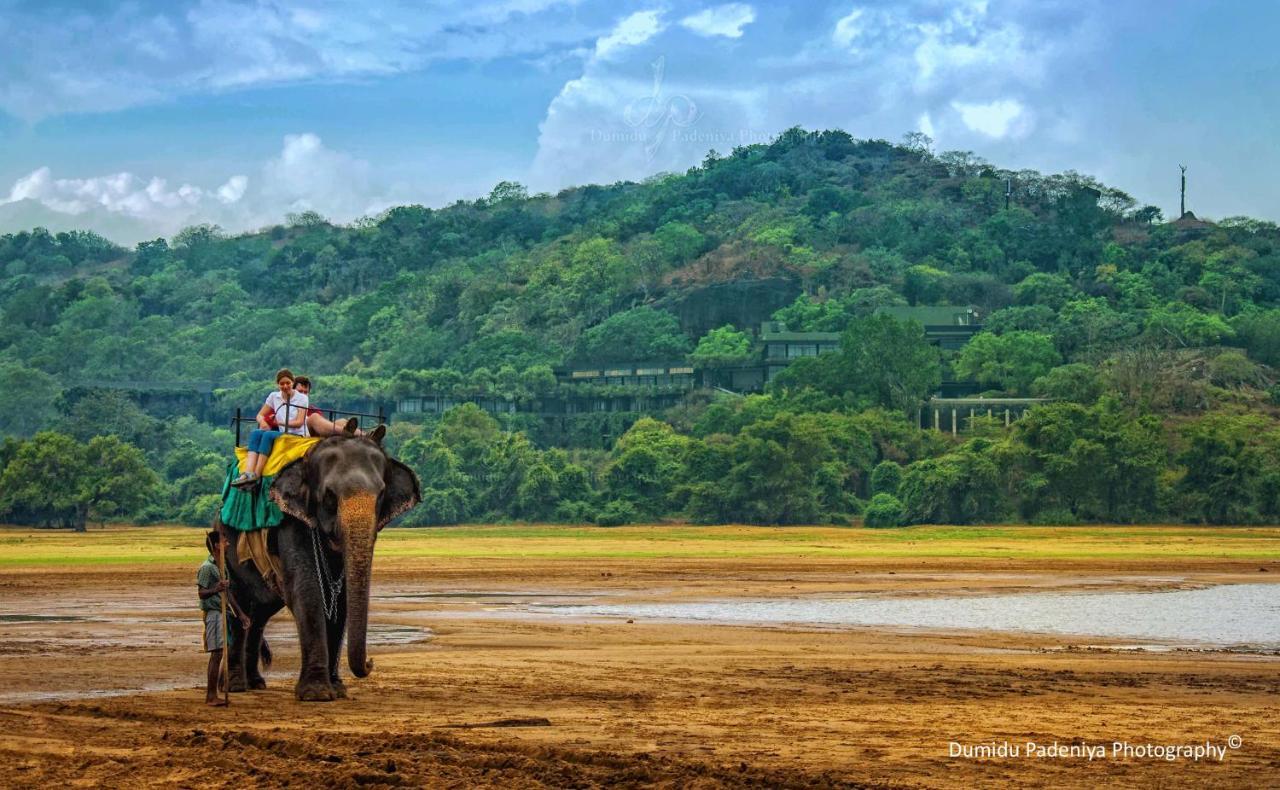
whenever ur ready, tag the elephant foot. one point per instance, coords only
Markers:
(314, 691)
(339, 688)
(257, 684)
(238, 686)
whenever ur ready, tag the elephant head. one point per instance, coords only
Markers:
(348, 488)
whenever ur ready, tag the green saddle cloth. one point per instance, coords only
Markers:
(248, 509)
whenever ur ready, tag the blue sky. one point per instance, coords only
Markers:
(135, 119)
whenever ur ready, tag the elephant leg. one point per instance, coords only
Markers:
(335, 628)
(308, 614)
(261, 654)
(237, 659)
(253, 651)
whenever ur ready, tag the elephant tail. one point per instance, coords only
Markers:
(264, 653)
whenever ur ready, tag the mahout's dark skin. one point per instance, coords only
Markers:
(337, 498)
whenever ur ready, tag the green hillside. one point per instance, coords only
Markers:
(1153, 339)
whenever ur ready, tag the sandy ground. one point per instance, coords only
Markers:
(464, 695)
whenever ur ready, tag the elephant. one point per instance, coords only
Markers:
(335, 500)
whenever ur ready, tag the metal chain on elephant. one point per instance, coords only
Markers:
(329, 588)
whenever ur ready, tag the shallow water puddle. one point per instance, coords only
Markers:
(1226, 615)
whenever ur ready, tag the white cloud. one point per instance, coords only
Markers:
(925, 47)
(925, 124)
(233, 190)
(848, 28)
(119, 193)
(106, 57)
(942, 52)
(726, 20)
(632, 31)
(305, 175)
(309, 176)
(960, 71)
(997, 119)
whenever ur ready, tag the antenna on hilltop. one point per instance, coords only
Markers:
(1008, 192)
(1183, 212)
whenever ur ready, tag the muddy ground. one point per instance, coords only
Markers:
(465, 693)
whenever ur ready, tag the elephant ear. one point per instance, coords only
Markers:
(401, 494)
(290, 492)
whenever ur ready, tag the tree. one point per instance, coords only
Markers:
(924, 284)
(194, 237)
(1258, 331)
(117, 480)
(28, 399)
(723, 347)
(1050, 290)
(108, 413)
(435, 464)
(646, 466)
(52, 477)
(151, 256)
(1230, 473)
(468, 432)
(790, 469)
(1228, 276)
(828, 200)
(1098, 462)
(305, 219)
(884, 510)
(638, 335)
(771, 481)
(884, 361)
(963, 487)
(507, 192)
(44, 480)
(1092, 326)
(1178, 325)
(1026, 318)
(1077, 382)
(886, 478)
(1009, 362)
(679, 242)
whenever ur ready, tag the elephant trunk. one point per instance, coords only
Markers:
(357, 516)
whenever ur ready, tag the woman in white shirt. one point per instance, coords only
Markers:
(285, 411)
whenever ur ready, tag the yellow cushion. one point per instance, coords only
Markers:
(287, 449)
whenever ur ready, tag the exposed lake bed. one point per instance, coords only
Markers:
(473, 629)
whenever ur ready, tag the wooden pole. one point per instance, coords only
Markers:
(226, 631)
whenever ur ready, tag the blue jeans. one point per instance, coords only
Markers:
(261, 441)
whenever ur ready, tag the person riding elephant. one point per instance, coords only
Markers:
(335, 500)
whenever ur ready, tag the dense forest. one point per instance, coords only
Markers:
(1153, 343)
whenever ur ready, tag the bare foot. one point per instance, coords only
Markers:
(216, 703)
